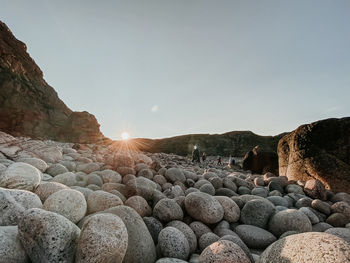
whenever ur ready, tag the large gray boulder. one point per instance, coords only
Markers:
(167, 210)
(141, 248)
(47, 236)
(255, 237)
(306, 248)
(257, 212)
(13, 203)
(175, 174)
(204, 207)
(223, 251)
(173, 243)
(11, 249)
(20, 176)
(103, 238)
(289, 220)
(67, 202)
(45, 189)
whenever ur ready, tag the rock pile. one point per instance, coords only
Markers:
(92, 203)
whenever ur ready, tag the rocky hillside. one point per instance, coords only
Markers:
(29, 106)
(237, 143)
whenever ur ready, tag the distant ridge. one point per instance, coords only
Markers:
(235, 142)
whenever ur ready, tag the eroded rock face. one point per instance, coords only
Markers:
(29, 106)
(320, 150)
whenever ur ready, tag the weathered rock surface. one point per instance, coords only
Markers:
(173, 243)
(68, 203)
(307, 247)
(20, 176)
(319, 150)
(223, 251)
(13, 203)
(47, 236)
(11, 249)
(103, 238)
(255, 237)
(141, 247)
(289, 220)
(204, 207)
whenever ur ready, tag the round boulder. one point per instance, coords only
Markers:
(307, 247)
(188, 232)
(204, 207)
(140, 205)
(103, 238)
(44, 190)
(101, 200)
(257, 212)
(167, 210)
(68, 203)
(21, 176)
(223, 251)
(37, 163)
(289, 220)
(173, 243)
(47, 236)
(231, 209)
(141, 248)
(255, 237)
(13, 203)
(175, 174)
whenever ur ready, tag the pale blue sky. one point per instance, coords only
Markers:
(164, 68)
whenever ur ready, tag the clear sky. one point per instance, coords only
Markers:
(163, 68)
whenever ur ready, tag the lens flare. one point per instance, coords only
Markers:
(125, 136)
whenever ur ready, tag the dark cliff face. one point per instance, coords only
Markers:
(237, 143)
(29, 106)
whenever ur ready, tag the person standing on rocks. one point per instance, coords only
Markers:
(195, 154)
(231, 161)
(219, 160)
(204, 156)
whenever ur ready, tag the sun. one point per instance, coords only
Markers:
(125, 136)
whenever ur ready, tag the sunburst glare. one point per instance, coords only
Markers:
(125, 136)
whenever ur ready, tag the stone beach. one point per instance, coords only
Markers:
(74, 206)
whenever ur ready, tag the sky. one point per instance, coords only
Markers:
(163, 68)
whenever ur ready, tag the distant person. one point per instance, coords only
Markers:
(195, 154)
(219, 160)
(204, 156)
(231, 161)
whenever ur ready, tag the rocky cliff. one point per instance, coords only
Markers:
(29, 106)
(237, 143)
(319, 150)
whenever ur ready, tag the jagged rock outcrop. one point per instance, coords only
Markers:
(237, 143)
(29, 106)
(320, 150)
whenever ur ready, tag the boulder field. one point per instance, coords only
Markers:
(62, 202)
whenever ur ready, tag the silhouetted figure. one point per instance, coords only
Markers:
(195, 154)
(204, 156)
(231, 161)
(219, 160)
